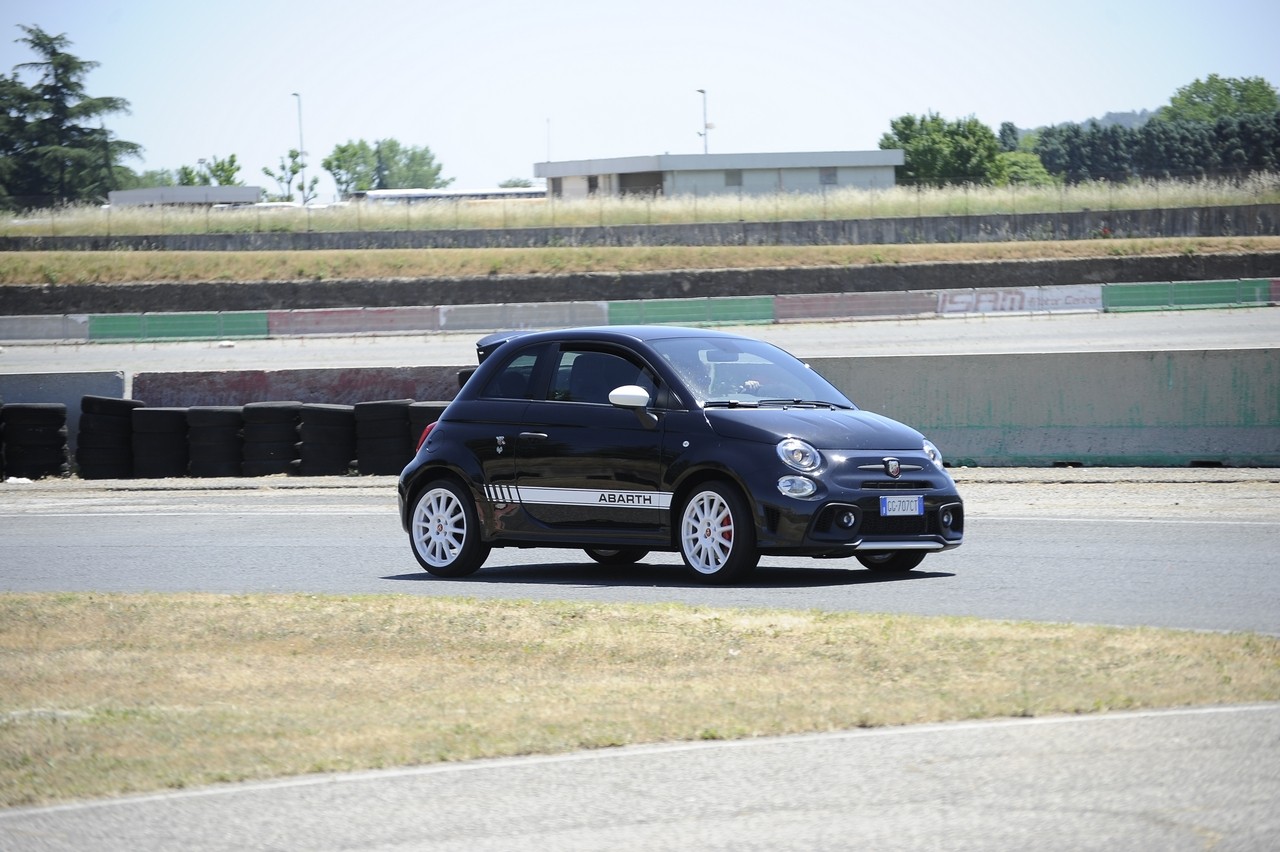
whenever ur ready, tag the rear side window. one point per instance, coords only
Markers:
(513, 380)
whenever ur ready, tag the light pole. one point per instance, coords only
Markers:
(705, 126)
(302, 163)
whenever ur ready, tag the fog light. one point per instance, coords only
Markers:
(947, 518)
(847, 520)
(797, 486)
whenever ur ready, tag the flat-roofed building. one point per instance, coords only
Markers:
(722, 174)
(198, 195)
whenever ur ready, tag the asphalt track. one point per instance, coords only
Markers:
(1178, 780)
(1191, 779)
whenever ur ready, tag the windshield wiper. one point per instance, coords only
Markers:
(729, 403)
(802, 403)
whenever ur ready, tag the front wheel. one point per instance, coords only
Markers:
(891, 561)
(445, 531)
(717, 536)
(617, 555)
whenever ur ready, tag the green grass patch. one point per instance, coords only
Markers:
(103, 695)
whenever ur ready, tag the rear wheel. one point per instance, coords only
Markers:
(717, 537)
(617, 555)
(445, 531)
(891, 561)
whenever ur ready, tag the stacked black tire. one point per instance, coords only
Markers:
(213, 440)
(271, 438)
(104, 442)
(160, 443)
(328, 439)
(382, 436)
(34, 435)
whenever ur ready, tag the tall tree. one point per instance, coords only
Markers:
(354, 167)
(938, 151)
(386, 164)
(68, 158)
(289, 169)
(1218, 97)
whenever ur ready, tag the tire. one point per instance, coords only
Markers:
(617, 555)
(717, 537)
(272, 412)
(108, 406)
(108, 424)
(444, 531)
(891, 561)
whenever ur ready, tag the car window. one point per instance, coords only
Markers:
(512, 381)
(588, 376)
(743, 371)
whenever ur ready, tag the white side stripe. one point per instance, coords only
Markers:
(579, 497)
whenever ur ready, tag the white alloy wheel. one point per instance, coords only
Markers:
(717, 540)
(445, 533)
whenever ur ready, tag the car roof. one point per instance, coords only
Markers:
(624, 334)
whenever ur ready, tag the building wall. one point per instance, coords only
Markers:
(767, 181)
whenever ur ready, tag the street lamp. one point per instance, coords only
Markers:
(705, 126)
(301, 150)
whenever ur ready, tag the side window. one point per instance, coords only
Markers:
(512, 381)
(583, 376)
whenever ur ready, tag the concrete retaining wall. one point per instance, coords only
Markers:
(1096, 408)
(66, 388)
(162, 297)
(1157, 409)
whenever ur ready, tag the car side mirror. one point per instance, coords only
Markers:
(637, 399)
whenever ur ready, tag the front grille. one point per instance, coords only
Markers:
(896, 485)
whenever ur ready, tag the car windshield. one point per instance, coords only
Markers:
(732, 371)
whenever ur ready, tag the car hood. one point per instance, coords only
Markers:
(825, 429)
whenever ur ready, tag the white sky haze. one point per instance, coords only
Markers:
(493, 86)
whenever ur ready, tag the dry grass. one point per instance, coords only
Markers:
(108, 694)
(73, 267)
(601, 210)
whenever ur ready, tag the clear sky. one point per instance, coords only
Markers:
(493, 86)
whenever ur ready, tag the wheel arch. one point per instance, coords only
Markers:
(693, 480)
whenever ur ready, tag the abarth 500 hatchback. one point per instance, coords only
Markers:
(627, 440)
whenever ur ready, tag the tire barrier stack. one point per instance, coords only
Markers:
(214, 440)
(34, 435)
(382, 436)
(328, 439)
(160, 445)
(270, 438)
(126, 439)
(104, 443)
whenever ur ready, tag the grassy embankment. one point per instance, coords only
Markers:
(66, 267)
(110, 694)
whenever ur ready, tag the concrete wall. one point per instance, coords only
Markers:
(18, 300)
(1096, 408)
(66, 388)
(1179, 408)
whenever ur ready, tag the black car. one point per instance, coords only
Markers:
(626, 440)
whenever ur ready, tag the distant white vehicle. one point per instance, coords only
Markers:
(409, 196)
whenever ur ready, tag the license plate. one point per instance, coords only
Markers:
(899, 505)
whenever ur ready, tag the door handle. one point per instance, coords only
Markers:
(533, 436)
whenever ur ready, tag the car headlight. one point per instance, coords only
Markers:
(799, 455)
(933, 453)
